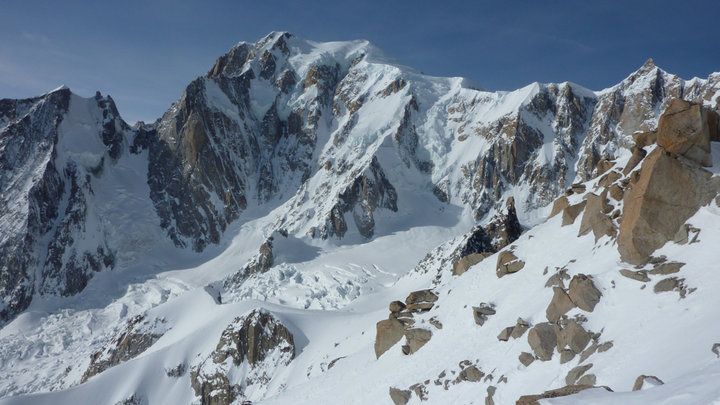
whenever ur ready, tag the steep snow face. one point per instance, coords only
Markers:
(311, 179)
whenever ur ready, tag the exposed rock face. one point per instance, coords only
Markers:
(574, 374)
(53, 150)
(420, 300)
(646, 379)
(138, 336)
(481, 313)
(684, 129)
(502, 230)
(462, 265)
(399, 397)
(396, 306)
(526, 358)
(508, 263)
(640, 275)
(571, 212)
(574, 337)
(389, 332)
(543, 339)
(242, 365)
(666, 195)
(559, 305)
(416, 338)
(595, 217)
(583, 293)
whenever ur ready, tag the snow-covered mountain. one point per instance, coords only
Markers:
(246, 245)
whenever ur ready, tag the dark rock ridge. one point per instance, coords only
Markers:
(249, 350)
(138, 335)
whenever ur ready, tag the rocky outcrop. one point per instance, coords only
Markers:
(421, 300)
(399, 397)
(250, 349)
(482, 312)
(686, 129)
(574, 375)
(595, 217)
(139, 334)
(583, 293)
(388, 333)
(543, 339)
(667, 193)
(559, 305)
(400, 323)
(643, 380)
(416, 338)
(671, 185)
(573, 336)
(508, 263)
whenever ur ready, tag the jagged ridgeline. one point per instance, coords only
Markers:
(330, 137)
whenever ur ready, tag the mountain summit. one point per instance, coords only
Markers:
(244, 246)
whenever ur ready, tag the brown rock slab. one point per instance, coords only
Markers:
(603, 166)
(574, 337)
(666, 194)
(643, 139)
(638, 154)
(481, 313)
(667, 284)
(571, 212)
(396, 306)
(417, 338)
(462, 265)
(667, 268)
(587, 379)
(526, 358)
(588, 352)
(582, 292)
(643, 379)
(595, 217)
(421, 296)
(389, 332)
(504, 336)
(559, 305)
(609, 179)
(543, 339)
(557, 279)
(566, 355)
(639, 275)
(578, 188)
(399, 397)
(574, 374)
(683, 129)
(605, 347)
(558, 206)
(420, 306)
(616, 192)
(521, 326)
(470, 374)
(508, 263)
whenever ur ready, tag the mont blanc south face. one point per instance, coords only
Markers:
(317, 223)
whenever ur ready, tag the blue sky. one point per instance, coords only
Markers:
(144, 53)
